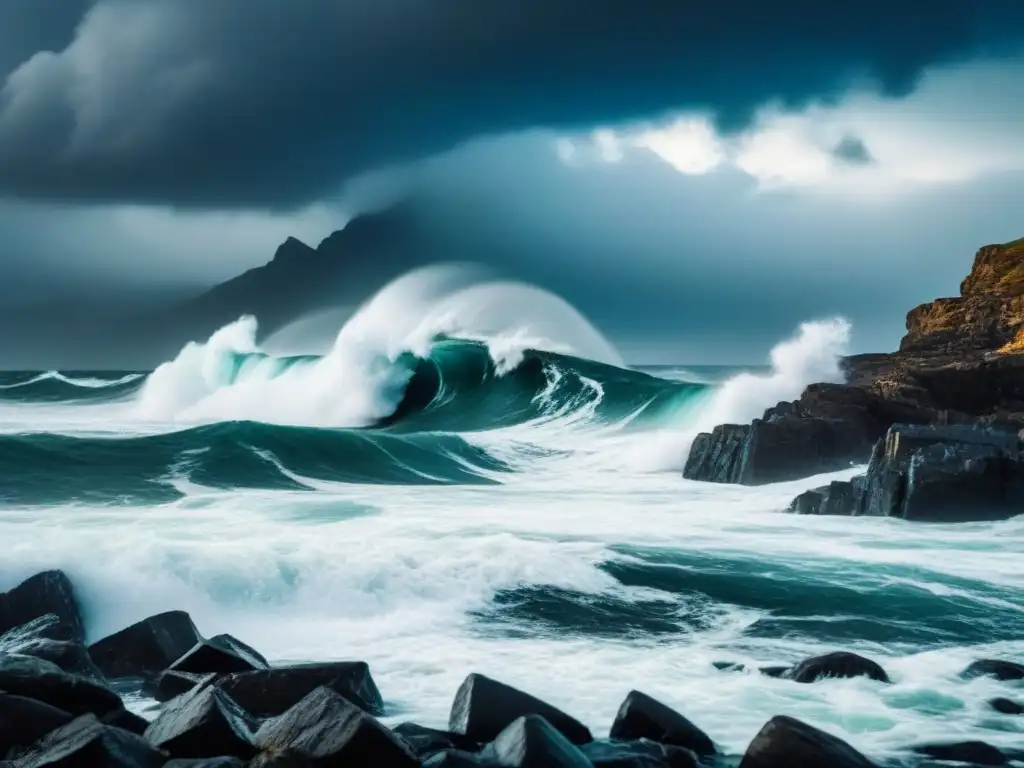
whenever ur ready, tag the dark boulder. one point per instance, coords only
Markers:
(46, 682)
(36, 639)
(455, 758)
(729, 666)
(970, 752)
(47, 592)
(785, 742)
(327, 729)
(267, 693)
(641, 717)
(87, 743)
(147, 648)
(174, 683)
(24, 721)
(840, 497)
(838, 664)
(638, 754)
(206, 762)
(222, 654)
(426, 742)
(203, 723)
(1007, 706)
(997, 668)
(776, 670)
(126, 721)
(532, 741)
(483, 708)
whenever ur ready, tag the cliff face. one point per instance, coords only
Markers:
(961, 363)
(987, 316)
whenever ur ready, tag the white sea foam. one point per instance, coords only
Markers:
(812, 355)
(411, 579)
(359, 380)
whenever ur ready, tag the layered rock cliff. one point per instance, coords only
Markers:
(961, 362)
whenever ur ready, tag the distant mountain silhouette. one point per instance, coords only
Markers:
(343, 269)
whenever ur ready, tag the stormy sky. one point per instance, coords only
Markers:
(696, 177)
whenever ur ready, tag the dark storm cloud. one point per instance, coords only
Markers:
(267, 103)
(29, 26)
(852, 150)
(705, 268)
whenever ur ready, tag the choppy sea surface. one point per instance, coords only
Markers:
(436, 496)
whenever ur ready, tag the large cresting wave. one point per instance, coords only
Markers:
(437, 379)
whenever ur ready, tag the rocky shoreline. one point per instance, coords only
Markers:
(939, 422)
(225, 706)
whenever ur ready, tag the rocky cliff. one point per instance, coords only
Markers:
(987, 316)
(960, 363)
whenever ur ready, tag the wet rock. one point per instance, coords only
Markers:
(267, 693)
(126, 721)
(457, 759)
(641, 717)
(47, 592)
(426, 742)
(46, 682)
(774, 671)
(147, 648)
(638, 754)
(831, 427)
(203, 723)
(86, 742)
(838, 664)
(36, 639)
(1007, 706)
(24, 720)
(206, 762)
(997, 668)
(776, 449)
(222, 654)
(483, 708)
(785, 741)
(327, 729)
(970, 752)
(174, 683)
(532, 741)
(729, 666)
(951, 473)
(840, 497)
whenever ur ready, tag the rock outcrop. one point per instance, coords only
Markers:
(961, 364)
(987, 315)
(928, 473)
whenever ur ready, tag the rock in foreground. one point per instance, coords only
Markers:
(786, 742)
(483, 708)
(327, 729)
(147, 648)
(532, 741)
(203, 723)
(49, 592)
(87, 742)
(641, 717)
(270, 692)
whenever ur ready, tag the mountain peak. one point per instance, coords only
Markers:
(291, 248)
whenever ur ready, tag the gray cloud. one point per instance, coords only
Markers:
(852, 150)
(263, 103)
(707, 268)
